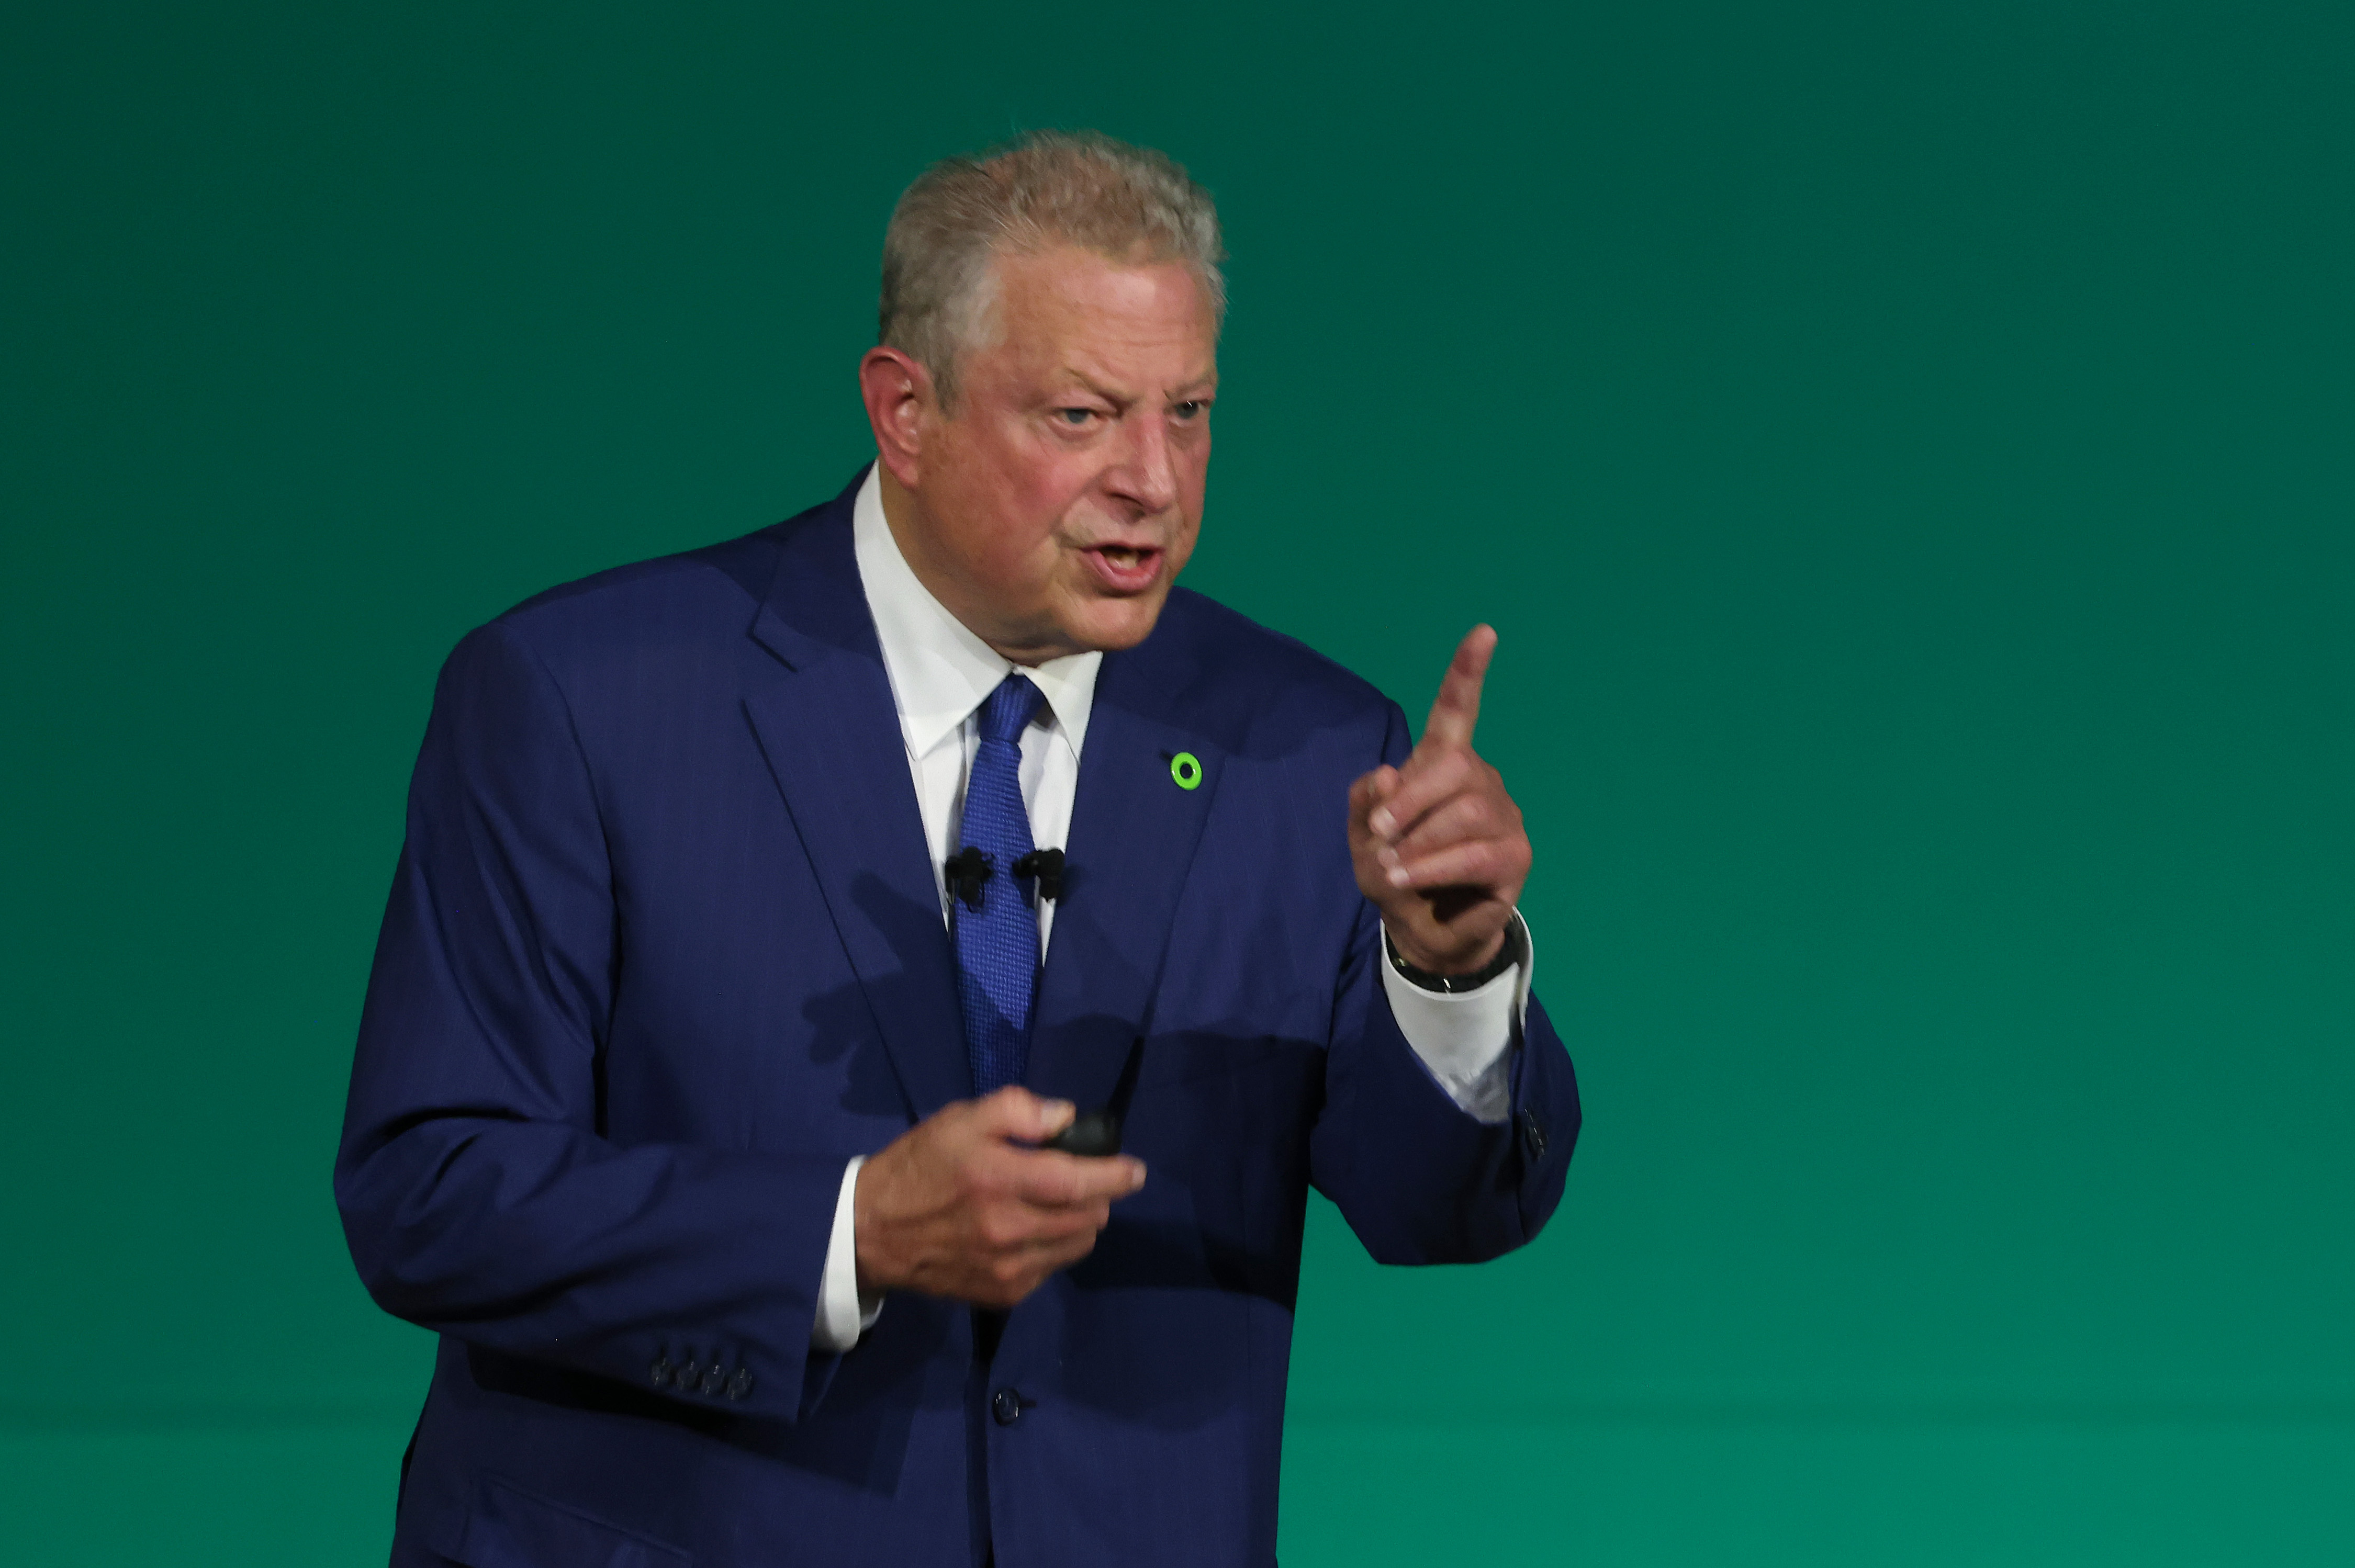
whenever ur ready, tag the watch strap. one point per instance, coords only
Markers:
(1515, 947)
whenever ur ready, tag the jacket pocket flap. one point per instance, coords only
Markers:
(512, 1529)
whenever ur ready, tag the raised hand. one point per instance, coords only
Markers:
(1438, 843)
(960, 1205)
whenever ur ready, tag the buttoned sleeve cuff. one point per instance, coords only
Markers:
(1464, 1039)
(843, 1315)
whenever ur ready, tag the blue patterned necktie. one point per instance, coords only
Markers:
(997, 943)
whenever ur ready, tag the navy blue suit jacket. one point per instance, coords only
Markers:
(665, 950)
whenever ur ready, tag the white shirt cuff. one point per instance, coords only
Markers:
(1465, 1038)
(842, 1314)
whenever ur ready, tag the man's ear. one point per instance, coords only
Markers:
(898, 391)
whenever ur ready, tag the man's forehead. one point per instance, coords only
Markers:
(1081, 368)
(1073, 322)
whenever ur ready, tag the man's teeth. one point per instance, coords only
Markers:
(1121, 556)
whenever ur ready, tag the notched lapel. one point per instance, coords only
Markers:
(823, 714)
(1134, 833)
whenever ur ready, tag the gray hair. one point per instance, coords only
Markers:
(1050, 188)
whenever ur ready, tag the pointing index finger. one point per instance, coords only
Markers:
(1458, 707)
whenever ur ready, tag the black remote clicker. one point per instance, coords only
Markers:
(1096, 1134)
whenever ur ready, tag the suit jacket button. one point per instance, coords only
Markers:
(715, 1378)
(660, 1371)
(1005, 1406)
(1533, 1135)
(690, 1373)
(741, 1383)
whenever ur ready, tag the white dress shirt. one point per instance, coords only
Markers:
(941, 673)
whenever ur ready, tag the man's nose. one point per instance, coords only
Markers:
(1146, 476)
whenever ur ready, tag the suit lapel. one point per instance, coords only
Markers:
(1134, 830)
(825, 719)
(824, 716)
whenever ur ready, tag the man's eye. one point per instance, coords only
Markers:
(1075, 417)
(1190, 408)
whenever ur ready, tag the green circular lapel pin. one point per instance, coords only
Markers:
(1186, 769)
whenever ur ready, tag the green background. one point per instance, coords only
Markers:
(1905, 448)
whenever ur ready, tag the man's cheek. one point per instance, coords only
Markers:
(1180, 552)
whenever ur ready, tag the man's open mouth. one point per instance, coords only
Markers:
(1125, 568)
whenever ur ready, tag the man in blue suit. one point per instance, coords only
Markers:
(766, 911)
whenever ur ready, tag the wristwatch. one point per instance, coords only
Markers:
(1515, 947)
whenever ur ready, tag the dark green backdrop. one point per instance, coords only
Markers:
(1906, 447)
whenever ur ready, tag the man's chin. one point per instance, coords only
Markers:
(1104, 624)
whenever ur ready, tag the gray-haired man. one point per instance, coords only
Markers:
(767, 909)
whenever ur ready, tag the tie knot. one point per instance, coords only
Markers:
(1008, 711)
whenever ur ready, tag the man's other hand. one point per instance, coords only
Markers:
(961, 1206)
(1438, 843)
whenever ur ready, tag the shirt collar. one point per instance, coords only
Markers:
(940, 670)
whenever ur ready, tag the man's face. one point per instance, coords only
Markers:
(1054, 509)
